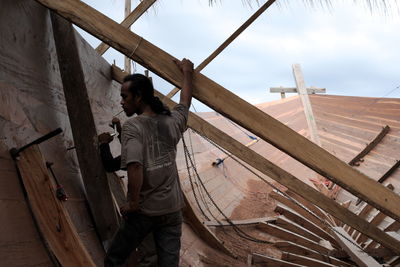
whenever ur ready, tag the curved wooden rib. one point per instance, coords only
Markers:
(52, 217)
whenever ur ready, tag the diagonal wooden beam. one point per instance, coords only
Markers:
(229, 105)
(128, 21)
(274, 172)
(227, 42)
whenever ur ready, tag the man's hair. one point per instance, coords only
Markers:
(142, 86)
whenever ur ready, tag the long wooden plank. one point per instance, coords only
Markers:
(52, 216)
(83, 129)
(292, 237)
(301, 250)
(357, 255)
(310, 262)
(227, 42)
(370, 146)
(229, 105)
(274, 172)
(128, 21)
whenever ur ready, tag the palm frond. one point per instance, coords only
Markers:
(372, 5)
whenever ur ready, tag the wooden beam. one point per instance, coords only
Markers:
(229, 105)
(227, 42)
(84, 130)
(271, 262)
(291, 247)
(52, 217)
(362, 214)
(276, 173)
(241, 222)
(283, 234)
(375, 221)
(366, 210)
(393, 227)
(310, 262)
(143, 6)
(356, 254)
(370, 146)
(310, 90)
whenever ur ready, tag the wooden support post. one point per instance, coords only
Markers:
(127, 59)
(370, 146)
(356, 254)
(227, 42)
(229, 105)
(129, 20)
(83, 129)
(274, 172)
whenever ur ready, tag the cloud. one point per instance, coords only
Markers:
(347, 49)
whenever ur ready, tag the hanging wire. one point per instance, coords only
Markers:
(281, 192)
(238, 231)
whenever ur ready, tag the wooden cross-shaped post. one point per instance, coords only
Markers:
(303, 92)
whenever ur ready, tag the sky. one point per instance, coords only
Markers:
(345, 48)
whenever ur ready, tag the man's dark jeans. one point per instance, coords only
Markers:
(167, 231)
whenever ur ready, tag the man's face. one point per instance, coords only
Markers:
(129, 102)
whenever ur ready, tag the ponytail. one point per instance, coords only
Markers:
(158, 106)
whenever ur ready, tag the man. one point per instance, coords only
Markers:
(147, 254)
(148, 154)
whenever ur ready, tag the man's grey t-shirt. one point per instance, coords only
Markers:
(151, 141)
